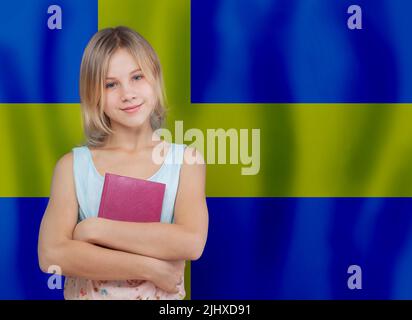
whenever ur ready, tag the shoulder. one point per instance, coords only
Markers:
(65, 164)
(192, 181)
(193, 165)
(62, 180)
(193, 156)
(77, 154)
(66, 160)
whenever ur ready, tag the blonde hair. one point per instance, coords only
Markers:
(93, 72)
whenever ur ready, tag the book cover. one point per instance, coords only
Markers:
(131, 199)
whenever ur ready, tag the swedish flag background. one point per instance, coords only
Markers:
(334, 113)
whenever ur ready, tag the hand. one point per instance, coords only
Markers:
(85, 229)
(168, 275)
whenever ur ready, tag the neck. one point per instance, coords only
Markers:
(130, 140)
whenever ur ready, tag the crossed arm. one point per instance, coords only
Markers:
(183, 240)
(105, 249)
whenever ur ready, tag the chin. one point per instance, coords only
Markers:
(133, 123)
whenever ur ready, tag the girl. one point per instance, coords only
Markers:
(123, 103)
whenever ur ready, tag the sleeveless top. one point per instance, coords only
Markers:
(89, 186)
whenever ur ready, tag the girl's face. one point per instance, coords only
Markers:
(129, 97)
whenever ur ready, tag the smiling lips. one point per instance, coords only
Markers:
(131, 108)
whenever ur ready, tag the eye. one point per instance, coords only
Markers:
(138, 77)
(110, 85)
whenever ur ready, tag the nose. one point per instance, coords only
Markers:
(128, 94)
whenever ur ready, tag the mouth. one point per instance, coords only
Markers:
(131, 109)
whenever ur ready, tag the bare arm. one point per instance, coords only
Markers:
(76, 258)
(185, 239)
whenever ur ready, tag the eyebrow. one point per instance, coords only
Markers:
(138, 69)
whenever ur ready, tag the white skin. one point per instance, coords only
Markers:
(100, 249)
(126, 86)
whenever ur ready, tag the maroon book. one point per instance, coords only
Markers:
(131, 199)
